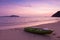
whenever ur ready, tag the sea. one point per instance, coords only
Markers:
(19, 22)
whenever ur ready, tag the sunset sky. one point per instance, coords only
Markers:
(29, 7)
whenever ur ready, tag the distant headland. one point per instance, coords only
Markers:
(57, 14)
(11, 16)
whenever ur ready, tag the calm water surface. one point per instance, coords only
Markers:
(12, 22)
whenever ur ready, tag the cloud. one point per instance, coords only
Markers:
(29, 0)
(30, 3)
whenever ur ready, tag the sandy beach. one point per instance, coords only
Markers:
(20, 34)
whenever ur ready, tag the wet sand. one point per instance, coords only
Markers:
(20, 34)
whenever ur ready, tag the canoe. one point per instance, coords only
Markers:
(37, 30)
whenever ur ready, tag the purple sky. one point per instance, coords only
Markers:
(29, 7)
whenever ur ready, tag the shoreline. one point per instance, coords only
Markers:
(3, 27)
(19, 34)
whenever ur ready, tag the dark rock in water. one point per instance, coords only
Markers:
(58, 37)
(57, 14)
